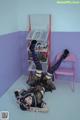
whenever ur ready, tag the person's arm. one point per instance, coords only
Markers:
(37, 109)
(41, 108)
(32, 109)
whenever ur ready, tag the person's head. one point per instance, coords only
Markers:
(28, 100)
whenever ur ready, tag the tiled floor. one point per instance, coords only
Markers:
(63, 104)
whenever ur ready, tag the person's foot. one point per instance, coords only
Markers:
(32, 45)
(65, 53)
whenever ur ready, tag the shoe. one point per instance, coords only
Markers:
(32, 45)
(65, 53)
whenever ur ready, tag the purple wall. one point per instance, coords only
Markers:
(71, 41)
(11, 48)
(62, 40)
(13, 54)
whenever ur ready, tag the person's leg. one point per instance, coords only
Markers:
(48, 79)
(34, 55)
(54, 67)
(36, 77)
(37, 64)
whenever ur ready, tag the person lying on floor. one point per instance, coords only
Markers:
(39, 78)
(31, 99)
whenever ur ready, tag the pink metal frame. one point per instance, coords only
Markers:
(67, 71)
(49, 38)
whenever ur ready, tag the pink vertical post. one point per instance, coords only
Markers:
(29, 23)
(49, 42)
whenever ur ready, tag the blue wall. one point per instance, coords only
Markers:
(65, 17)
(8, 16)
(13, 14)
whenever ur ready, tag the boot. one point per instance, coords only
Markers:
(32, 45)
(65, 54)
